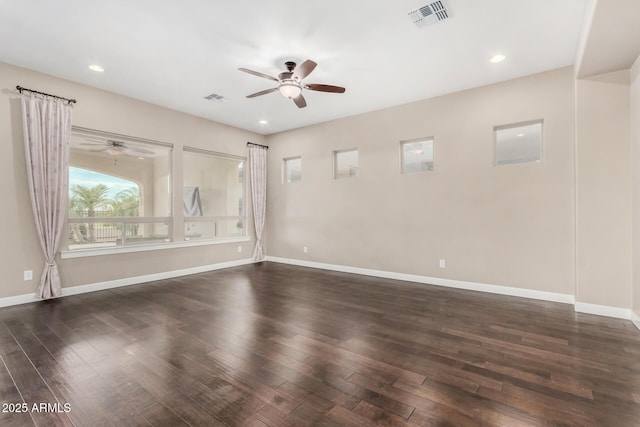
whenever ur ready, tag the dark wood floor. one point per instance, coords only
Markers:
(277, 345)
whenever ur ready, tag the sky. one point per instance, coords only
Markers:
(90, 179)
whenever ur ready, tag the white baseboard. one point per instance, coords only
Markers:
(17, 300)
(635, 318)
(603, 310)
(110, 284)
(458, 284)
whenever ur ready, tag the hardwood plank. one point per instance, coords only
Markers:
(380, 416)
(347, 418)
(318, 387)
(387, 368)
(306, 397)
(159, 415)
(313, 417)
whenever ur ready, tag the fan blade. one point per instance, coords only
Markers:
(324, 88)
(100, 150)
(300, 101)
(262, 92)
(132, 153)
(138, 150)
(304, 69)
(256, 73)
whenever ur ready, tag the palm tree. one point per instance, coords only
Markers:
(125, 203)
(88, 200)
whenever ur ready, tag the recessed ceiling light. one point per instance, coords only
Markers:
(140, 158)
(96, 68)
(497, 58)
(263, 122)
(520, 135)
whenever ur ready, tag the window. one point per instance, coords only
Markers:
(518, 143)
(345, 163)
(292, 169)
(119, 191)
(417, 155)
(214, 195)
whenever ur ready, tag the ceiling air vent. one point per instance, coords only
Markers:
(429, 14)
(215, 97)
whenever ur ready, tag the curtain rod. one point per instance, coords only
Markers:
(257, 145)
(21, 89)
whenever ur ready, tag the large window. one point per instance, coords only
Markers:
(119, 191)
(213, 195)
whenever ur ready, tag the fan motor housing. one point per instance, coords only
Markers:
(286, 75)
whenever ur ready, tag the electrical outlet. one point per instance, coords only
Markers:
(28, 275)
(442, 263)
(239, 249)
(305, 249)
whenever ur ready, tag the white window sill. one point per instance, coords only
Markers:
(80, 253)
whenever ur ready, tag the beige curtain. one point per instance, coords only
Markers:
(258, 165)
(47, 130)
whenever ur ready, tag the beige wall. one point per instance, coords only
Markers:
(508, 225)
(104, 111)
(635, 159)
(603, 221)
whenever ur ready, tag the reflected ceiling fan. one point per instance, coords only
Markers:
(116, 148)
(290, 83)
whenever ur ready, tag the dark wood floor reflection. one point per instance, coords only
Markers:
(277, 345)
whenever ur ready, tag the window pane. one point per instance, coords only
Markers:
(417, 156)
(518, 144)
(100, 235)
(117, 186)
(118, 177)
(292, 169)
(345, 164)
(214, 190)
(220, 228)
(146, 233)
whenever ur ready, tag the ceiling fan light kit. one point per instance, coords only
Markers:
(290, 82)
(290, 89)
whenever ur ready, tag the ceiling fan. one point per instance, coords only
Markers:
(290, 83)
(116, 148)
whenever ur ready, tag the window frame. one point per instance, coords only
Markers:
(284, 169)
(413, 141)
(175, 220)
(335, 163)
(123, 221)
(243, 218)
(513, 126)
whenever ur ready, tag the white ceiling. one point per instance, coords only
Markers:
(173, 53)
(612, 41)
